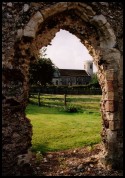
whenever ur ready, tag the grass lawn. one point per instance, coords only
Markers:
(55, 129)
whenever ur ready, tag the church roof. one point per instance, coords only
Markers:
(72, 72)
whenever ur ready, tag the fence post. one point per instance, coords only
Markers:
(65, 100)
(38, 98)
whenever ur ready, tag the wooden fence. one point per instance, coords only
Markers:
(55, 100)
(39, 95)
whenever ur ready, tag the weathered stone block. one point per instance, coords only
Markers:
(90, 11)
(56, 8)
(110, 95)
(82, 4)
(32, 26)
(107, 42)
(110, 75)
(9, 4)
(98, 20)
(114, 125)
(109, 31)
(19, 33)
(111, 105)
(72, 5)
(83, 16)
(112, 116)
(111, 55)
(26, 7)
(107, 36)
(111, 135)
(109, 85)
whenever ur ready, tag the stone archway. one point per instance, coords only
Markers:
(38, 29)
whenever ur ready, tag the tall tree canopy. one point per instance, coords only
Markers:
(41, 72)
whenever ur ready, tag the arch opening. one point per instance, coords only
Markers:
(69, 81)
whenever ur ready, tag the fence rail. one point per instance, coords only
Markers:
(60, 100)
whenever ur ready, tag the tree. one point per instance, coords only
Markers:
(41, 72)
(94, 81)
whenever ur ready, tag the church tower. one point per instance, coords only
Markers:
(88, 67)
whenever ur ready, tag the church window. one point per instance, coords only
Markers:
(90, 66)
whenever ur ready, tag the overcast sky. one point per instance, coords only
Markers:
(67, 52)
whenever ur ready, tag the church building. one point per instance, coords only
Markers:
(73, 76)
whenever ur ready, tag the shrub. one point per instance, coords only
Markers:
(72, 109)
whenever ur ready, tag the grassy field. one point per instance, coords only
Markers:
(55, 129)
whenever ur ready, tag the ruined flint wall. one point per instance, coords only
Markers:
(26, 27)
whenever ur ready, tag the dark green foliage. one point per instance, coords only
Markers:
(72, 109)
(41, 72)
(94, 83)
(82, 89)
